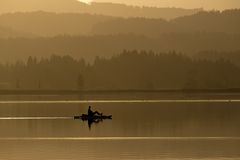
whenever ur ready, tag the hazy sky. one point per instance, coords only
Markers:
(207, 4)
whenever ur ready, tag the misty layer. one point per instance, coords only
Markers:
(107, 46)
(226, 22)
(75, 6)
(52, 24)
(206, 37)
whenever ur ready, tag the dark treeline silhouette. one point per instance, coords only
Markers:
(51, 24)
(233, 57)
(75, 6)
(88, 47)
(128, 70)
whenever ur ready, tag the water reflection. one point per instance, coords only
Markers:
(90, 121)
(94, 149)
(190, 130)
(152, 120)
(127, 101)
(35, 118)
(93, 119)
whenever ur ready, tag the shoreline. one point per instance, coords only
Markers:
(92, 92)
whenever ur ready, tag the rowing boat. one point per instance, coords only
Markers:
(95, 117)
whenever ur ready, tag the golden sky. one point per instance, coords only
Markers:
(207, 4)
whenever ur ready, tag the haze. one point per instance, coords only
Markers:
(206, 4)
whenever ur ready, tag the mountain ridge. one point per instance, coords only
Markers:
(109, 9)
(48, 24)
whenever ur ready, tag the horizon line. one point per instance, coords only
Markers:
(119, 138)
(159, 7)
(120, 101)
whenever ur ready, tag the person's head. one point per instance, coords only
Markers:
(89, 107)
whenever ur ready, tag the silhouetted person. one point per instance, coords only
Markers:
(91, 113)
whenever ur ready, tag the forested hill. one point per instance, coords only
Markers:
(130, 70)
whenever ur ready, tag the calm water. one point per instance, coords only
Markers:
(154, 129)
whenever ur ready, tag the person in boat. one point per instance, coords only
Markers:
(91, 113)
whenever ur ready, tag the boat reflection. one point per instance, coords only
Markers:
(93, 119)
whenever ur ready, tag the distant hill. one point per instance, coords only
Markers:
(110, 9)
(226, 22)
(88, 47)
(122, 10)
(10, 33)
(52, 24)
(41, 5)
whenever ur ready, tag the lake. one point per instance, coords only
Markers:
(42, 127)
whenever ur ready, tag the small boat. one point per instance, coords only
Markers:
(85, 117)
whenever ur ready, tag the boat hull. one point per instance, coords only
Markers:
(96, 117)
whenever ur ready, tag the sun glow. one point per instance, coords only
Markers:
(86, 1)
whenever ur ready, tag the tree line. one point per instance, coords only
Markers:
(138, 70)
